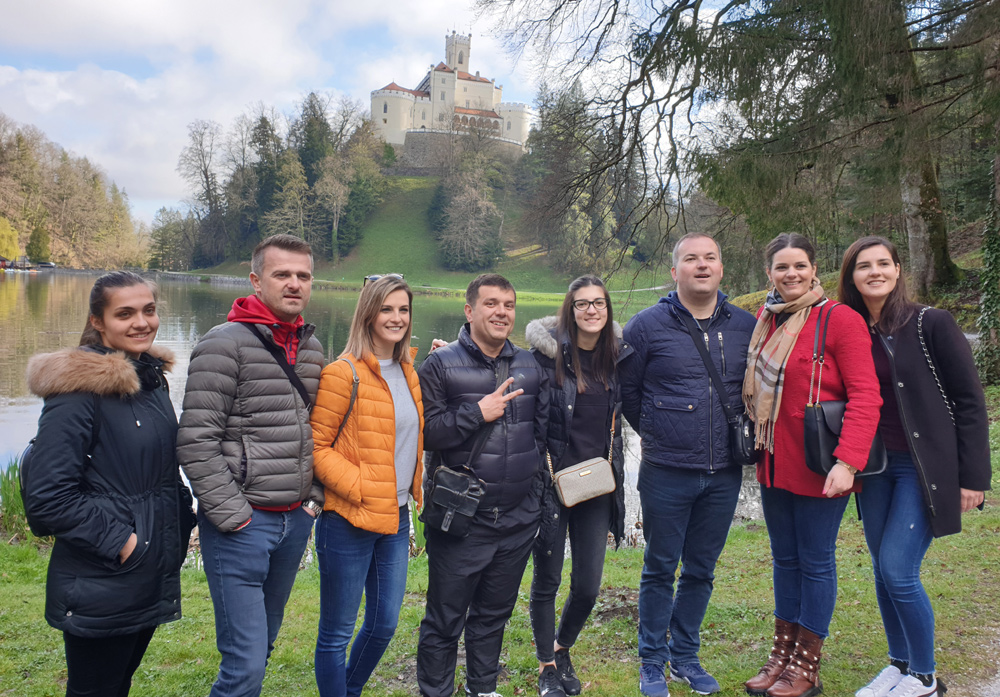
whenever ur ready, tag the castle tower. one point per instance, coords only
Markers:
(456, 50)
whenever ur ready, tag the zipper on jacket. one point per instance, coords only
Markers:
(902, 417)
(722, 351)
(711, 408)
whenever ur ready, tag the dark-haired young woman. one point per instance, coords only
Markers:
(580, 349)
(803, 509)
(935, 428)
(105, 481)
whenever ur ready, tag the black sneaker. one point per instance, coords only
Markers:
(548, 683)
(567, 676)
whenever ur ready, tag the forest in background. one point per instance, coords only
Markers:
(58, 206)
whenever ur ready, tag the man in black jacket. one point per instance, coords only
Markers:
(473, 581)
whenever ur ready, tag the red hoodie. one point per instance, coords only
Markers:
(250, 310)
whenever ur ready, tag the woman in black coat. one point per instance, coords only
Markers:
(580, 350)
(103, 480)
(935, 428)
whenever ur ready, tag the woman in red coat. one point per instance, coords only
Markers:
(803, 509)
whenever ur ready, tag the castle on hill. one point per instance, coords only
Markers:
(448, 100)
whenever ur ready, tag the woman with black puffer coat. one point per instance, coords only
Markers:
(580, 350)
(104, 482)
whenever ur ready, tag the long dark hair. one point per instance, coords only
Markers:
(99, 300)
(898, 307)
(606, 350)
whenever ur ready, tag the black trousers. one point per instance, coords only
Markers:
(588, 540)
(103, 667)
(472, 586)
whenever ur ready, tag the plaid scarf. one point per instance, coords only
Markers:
(766, 360)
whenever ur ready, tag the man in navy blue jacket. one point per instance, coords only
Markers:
(688, 482)
(473, 581)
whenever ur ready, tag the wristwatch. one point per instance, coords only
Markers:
(849, 468)
(313, 506)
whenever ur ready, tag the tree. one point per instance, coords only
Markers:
(770, 105)
(8, 240)
(38, 245)
(199, 164)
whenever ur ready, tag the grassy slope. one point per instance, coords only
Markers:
(398, 239)
(959, 576)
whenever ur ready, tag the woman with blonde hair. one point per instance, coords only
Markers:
(368, 442)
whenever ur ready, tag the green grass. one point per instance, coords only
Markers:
(959, 574)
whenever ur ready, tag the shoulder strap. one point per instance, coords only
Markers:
(819, 349)
(696, 337)
(279, 357)
(354, 396)
(930, 363)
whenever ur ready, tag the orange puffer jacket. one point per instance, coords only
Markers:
(359, 473)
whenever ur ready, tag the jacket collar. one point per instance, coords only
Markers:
(673, 302)
(96, 369)
(465, 339)
(541, 336)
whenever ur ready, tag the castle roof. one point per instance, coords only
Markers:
(489, 113)
(392, 86)
(467, 76)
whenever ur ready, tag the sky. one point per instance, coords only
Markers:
(118, 81)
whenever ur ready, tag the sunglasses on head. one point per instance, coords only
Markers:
(375, 276)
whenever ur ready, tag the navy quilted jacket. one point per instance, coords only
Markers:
(452, 381)
(667, 394)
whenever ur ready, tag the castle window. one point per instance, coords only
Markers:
(508, 125)
(442, 81)
(385, 120)
(442, 95)
(466, 103)
(423, 115)
(465, 89)
(385, 107)
(461, 57)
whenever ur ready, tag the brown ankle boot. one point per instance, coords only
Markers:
(801, 676)
(785, 634)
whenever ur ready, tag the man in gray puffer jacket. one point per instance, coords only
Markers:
(246, 446)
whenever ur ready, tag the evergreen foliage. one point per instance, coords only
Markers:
(834, 119)
(59, 207)
(319, 179)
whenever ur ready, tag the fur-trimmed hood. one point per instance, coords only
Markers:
(541, 335)
(84, 369)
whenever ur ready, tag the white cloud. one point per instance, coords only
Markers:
(119, 81)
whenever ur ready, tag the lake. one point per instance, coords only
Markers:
(46, 311)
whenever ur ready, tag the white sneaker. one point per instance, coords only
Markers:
(910, 686)
(883, 682)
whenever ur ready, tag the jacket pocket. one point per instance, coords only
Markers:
(142, 526)
(677, 421)
(246, 472)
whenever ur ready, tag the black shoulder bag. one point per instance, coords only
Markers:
(452, 494)
(824, 420)
(279, 357)
(742, 447)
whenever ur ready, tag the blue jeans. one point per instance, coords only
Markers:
(353, 561)
(686, 516)
(803, 532)
(898, 532)
(250, 574)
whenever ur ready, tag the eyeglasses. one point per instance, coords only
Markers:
(584, 305)
(375, 276)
